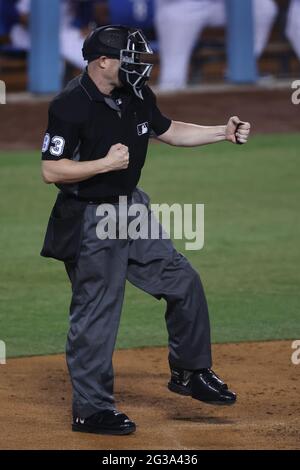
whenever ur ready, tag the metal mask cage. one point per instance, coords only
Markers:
(134, 61)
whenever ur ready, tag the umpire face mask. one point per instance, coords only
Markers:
(128, 45)
(135, 62)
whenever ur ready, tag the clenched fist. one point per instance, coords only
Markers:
(117, 157)
(237, 131)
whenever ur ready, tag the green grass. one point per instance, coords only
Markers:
(249, 265)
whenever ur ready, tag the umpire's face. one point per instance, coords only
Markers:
(110, 70)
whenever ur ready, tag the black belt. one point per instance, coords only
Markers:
(102, 200)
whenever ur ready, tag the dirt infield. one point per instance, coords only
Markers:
(35, 403)
(23, 124)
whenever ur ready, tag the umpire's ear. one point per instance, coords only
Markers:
(105, 62)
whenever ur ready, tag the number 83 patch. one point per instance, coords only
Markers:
(56, 145)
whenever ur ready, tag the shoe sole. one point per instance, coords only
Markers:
(108, 432)
(181, 390)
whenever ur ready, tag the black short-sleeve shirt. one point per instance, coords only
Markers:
(84, 124)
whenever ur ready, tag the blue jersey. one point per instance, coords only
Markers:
(8, 15)
(83, 11)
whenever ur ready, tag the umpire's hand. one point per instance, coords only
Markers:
(237, 131)
(117, 158)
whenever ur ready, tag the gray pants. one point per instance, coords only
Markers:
(98, 284)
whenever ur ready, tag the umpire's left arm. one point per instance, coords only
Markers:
(182, 134)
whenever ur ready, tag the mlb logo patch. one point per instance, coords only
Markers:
(143, 128)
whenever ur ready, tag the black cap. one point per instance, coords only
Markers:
(107, 41)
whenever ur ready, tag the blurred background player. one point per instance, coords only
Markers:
(180, 22)
(9, 17)
(293, 25)
(76, 18)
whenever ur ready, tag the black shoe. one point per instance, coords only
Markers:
(203, 385)
(105, 422)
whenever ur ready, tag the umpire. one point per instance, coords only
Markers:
(93, 151)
